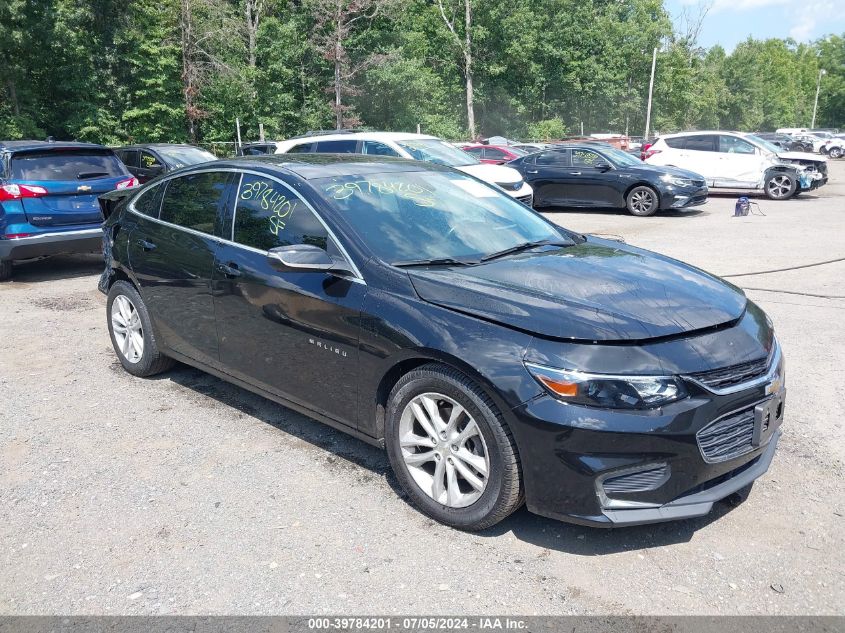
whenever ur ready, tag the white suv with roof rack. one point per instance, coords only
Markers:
(733, 161)
(411, 146)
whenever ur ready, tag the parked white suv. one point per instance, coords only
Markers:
(415, 147)
(733, 161)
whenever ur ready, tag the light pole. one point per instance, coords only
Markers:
(650, 92)
(816, 104)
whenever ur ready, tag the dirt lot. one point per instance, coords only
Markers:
(183, 494)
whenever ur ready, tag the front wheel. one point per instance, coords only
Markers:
(780, 186)
(642, 201)
(451, 450)
(835, 152)
(5, 270)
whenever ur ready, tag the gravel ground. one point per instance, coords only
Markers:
(183, 494)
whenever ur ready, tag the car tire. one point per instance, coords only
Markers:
(131, 332)
(642, 201)
(780, 186)
(449, 404)
(835, 152)
(5, 270)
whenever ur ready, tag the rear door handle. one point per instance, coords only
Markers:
(575, 173)
(147, 246)
(230, 269)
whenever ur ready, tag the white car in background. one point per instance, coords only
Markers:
(414, 147)
(733, 161)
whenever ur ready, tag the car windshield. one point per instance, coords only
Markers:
(761, 142)
(422, 215)
(433, 150)
(622, 158)
(182, 156)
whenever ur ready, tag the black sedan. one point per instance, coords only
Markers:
(148, 161)
(498, 357)
(598, 175)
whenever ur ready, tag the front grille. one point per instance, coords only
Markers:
(526, 200)
(728, 437)
(511, 186)
(698, 183)
(640, 481)
(733, 375)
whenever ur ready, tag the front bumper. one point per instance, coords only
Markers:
(54, 243)
(524, 194)
(677, 198)
(659, 460)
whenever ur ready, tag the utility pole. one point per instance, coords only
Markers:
(822, 71)
(238, 129)
(650, 93)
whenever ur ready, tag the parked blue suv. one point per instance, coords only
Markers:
(48, 197)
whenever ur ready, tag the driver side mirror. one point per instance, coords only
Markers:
(305, 258)
(602, 166)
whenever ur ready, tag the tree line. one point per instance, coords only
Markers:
(117, 71)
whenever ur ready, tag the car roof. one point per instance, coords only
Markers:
(365, 136)
(701, 133)
(156, 145)
(309, 166)
(16, 146)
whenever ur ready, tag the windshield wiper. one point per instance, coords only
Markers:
(437, 261)
(524, 247)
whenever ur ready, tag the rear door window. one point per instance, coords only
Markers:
(149, 202)
(337, 147)
(195, 201)
(64, 165)
(302, 148)
(701, 143)
(129, 157)
(268, 214)
(557, 159)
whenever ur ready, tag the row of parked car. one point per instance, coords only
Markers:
(49, 191)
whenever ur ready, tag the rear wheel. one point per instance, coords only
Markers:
(132, 333)
(5, 270)
(642, 201)
(780, 186)
(835, 152)
(451, 450)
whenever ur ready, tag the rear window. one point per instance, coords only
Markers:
(336, 147)
(84, 164)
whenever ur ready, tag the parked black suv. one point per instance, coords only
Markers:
(497, 356)
(148, 161)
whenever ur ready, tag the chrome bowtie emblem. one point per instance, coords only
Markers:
(83, 188)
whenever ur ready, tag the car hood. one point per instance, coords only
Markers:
(802, 156)
(492, 173)
(597, 290)
(675, 171)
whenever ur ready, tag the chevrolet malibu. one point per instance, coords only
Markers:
(498, 358)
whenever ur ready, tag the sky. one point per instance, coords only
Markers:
(732, 21)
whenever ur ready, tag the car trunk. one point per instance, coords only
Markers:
(73, 178)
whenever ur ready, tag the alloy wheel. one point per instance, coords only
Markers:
(126, 326)
(444, 450)
(642, 201)
(780, 186)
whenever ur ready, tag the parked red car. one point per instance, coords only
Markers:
(494, 154)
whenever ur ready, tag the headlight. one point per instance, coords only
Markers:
(611, 392)
(676, 180)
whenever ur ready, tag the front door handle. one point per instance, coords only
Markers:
(230, 270)
(531, 171)
(575, 173)
(147, 246)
